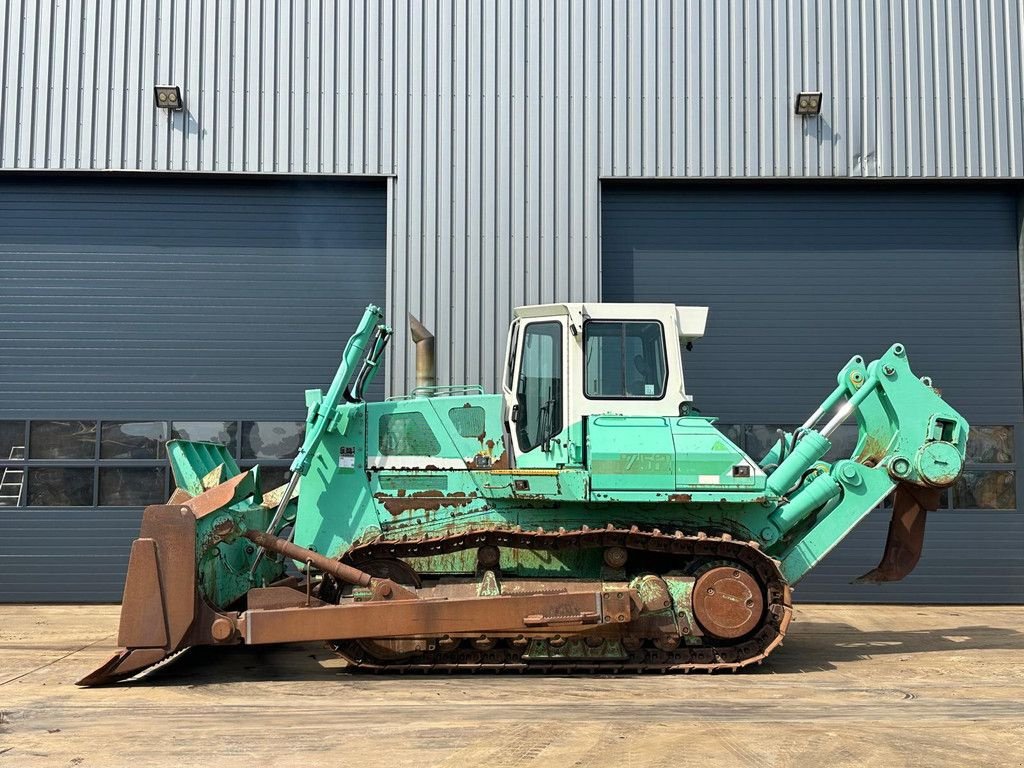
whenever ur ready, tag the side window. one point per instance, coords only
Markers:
(539, 389)
(624, 360)
(406, 434)
(510, 365)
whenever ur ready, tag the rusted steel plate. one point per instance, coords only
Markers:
(123, 664)
(160, 587)
(143, 624)
(218, 496)
(416, 617)
(269, 598)
(727, 602)
(905, 540)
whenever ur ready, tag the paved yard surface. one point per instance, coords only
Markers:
(864, 686)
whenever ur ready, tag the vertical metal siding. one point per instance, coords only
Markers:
(269, 86)
(496, 120)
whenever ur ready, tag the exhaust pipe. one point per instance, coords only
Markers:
(426, 374)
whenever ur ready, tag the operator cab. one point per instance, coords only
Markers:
(565, 362)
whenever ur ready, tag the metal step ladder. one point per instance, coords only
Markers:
(12, 483)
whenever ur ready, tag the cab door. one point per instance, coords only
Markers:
(537, 407)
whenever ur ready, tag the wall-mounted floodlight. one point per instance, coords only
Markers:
(167, 96)
(808, 103)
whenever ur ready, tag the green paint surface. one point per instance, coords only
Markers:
(666, 472)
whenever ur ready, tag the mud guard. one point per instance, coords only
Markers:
(160, 600)
(905, 541)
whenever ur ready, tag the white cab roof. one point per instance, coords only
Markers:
(690, 322)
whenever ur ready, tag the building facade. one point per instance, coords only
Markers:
(190, 272)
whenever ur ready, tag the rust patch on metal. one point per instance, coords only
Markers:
(872, 452)
(727, 602)
(272, 499)
(160, 582)
(680, 498)
(179, 496)
(269, 598)
(219, 496)
(502, 462)
(426, 501)
(905, 540)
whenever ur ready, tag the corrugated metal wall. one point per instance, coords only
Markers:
(497, 119)
(172, 297)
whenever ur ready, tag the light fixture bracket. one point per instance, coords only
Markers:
(807, 103)
(168, 97)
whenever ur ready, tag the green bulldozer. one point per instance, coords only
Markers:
(586, 518)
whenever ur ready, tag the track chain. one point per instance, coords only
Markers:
(720, 656)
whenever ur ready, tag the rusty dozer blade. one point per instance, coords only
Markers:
(903, 545)
(160, 602)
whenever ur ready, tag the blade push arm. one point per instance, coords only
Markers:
(909, 439)
(370, 331)
(320, 414)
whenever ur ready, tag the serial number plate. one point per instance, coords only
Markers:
(347, 458)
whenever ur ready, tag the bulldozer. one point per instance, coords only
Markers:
(587, 518)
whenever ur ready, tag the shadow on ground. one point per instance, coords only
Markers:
(822, 645)
(816, 646)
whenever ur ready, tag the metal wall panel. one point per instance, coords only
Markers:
(801, 277)
(174, 297)
(163, 298)
(269, 87)
(496, 120)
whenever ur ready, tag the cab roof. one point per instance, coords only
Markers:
(690, 322)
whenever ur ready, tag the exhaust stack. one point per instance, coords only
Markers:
(426, 373)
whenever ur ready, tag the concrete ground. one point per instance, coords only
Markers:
(853, 685)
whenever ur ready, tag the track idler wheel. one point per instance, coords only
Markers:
(727, 602)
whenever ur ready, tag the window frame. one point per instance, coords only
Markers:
(510, 378)
(520, 357)
(664, 360)
(96, 464)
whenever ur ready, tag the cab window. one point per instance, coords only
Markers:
(510, 365)
(539, 387)
(624, 359)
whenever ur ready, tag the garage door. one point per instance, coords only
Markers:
(799, 279)
(133, 310)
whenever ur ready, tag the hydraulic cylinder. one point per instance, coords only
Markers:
(821, 490)
(809, 448)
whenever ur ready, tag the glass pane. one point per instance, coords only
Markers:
(624, 359)
(990, 445)
(12, 487)
(271, 439)
(468, 421)
(406, 434)
(539, 389)
(132, 439)
(511, 364)
(131, 486)
(60, 487)
(761, 437)
(223, 432)
(980, 489)
(12, 439)
(62, 440)
(272, 477)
